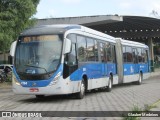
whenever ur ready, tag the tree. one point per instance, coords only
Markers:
(155, 14)
(15, 16)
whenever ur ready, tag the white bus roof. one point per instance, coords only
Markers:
(132, 43)
(62, 28)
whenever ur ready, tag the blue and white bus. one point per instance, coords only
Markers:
(67, 59)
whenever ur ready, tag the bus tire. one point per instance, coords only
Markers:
(109, 87)
(81, 94)
(139, 82)
(39, 96)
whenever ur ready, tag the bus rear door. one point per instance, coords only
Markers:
(135, 61)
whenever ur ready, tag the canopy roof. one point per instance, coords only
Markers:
(135, 28)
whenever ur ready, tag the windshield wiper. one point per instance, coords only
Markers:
(38, 67)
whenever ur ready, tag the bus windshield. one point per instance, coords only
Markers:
(38, 56)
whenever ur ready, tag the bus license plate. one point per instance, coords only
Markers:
(34, 90)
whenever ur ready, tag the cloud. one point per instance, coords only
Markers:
(51, 13)
(71, 1)
(139, 7)
(149, 5)
(156, 6)
(125, 5)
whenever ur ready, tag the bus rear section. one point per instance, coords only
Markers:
(133, 61)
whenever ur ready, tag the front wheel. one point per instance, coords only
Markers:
(81, 94)
(109, 87)
(139, 82)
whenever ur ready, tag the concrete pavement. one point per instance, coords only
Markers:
(121, 98)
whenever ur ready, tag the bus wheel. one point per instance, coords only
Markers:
(109, 87)
(139, 82)
(81, 94)
(39, 96)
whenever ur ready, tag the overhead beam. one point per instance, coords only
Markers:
(85, 20)
(137, 34)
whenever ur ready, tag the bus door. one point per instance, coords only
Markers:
(103, 59)
(110, 59)
(135, 61)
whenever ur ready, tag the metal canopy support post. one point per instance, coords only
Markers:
(151, 58)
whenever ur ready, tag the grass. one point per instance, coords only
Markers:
(147, 107)
(137, 110)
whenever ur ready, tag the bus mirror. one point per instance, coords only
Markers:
(67, 46)
(12, 49)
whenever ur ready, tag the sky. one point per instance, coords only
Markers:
(74, 8)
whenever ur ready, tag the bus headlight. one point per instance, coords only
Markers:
(56, 78)
(15, 81)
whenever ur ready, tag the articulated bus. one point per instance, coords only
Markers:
(71, 59)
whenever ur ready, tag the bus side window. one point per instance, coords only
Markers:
(113, 54)
(82, 54)
(124, 54)
(96, 50)
(72, 56)
(139, 55)
(102, 52)
(90, 49)
(144, 56)
(135, 60)
(129, 54)
(108, 52)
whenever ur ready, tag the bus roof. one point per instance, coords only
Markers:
(98, 33)
(49, 29)
(132, 43)
(62, 28)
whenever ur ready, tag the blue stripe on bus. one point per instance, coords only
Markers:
(92, 70)
(130, 68)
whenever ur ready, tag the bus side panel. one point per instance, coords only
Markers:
(128, 69)
(111, 68)
(129, 75)
(143, 67)
(92, 70)
(136, 68)
(132, 71)
(94, 73)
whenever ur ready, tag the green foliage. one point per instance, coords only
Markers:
(135, 110)
(15, 16)
(147, 107)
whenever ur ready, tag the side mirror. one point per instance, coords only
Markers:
(67, 47)
(13, 48)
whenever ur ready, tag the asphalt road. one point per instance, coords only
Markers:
(121, 98)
